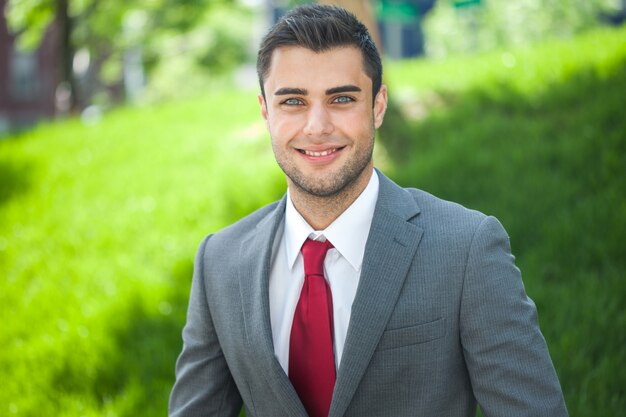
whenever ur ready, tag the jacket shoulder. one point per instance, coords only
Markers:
(434, 207)
(450, 221)
(230, 237)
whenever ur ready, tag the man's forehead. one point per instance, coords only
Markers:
(291, 67)
(311, 54)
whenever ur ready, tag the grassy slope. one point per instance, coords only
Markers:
(98, 223)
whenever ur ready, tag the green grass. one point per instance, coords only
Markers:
(99, 223)
(98, 228)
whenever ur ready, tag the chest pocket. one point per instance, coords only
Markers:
(412, 335)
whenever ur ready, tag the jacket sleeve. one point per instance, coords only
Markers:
(506, 355)
(204, 386)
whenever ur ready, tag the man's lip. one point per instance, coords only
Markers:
(320, 152)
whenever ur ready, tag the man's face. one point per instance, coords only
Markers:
(318, 110)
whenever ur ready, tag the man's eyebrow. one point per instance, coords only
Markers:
(287, 90)
(343, 89)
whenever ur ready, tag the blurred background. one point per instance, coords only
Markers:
(131, 129)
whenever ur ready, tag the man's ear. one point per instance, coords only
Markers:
(380, 106)
(263, 106)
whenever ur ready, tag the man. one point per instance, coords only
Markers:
(352, 296)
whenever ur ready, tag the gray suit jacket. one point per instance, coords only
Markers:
(440, 322)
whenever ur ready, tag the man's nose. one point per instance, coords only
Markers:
(318, 121)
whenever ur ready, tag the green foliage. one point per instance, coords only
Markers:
(200, 38)
(492, 24)
(99, 222)
(537, 137)
(96, 22)
(30, 18)
(187, 63)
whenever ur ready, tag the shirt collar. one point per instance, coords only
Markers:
(348, 233)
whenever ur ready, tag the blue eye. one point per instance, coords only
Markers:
(292, 102)
(343, 99)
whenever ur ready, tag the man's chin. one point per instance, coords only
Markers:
(317, 190)
(328, 186)
(330, 182)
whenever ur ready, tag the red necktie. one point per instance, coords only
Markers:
(311, 357)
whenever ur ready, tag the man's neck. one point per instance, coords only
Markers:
(320, 212)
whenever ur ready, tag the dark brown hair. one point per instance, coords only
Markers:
(320, 28)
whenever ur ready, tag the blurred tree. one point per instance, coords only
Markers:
(203, 58)
(102, 31)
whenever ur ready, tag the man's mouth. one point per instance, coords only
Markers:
(319, 153)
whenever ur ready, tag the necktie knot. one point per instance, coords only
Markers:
(314, 252)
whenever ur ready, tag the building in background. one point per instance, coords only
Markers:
(29, 81)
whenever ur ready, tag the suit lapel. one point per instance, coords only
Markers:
(255, 256)
(389, 251)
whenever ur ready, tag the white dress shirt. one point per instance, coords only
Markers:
(342, 267)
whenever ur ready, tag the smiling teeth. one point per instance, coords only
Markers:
(322, 153)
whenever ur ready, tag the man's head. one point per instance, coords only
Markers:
(319, 101)
(320, 28)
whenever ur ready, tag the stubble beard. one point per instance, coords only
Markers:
(332, 185)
